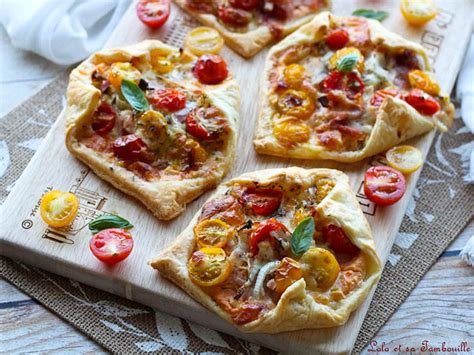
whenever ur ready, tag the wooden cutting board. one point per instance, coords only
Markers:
(24, 235)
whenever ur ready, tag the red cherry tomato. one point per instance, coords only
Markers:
(337, 39)
(194, 126)
(244, 4)
(338, 241)
(170, 100)
(111, 245)
(130, 148)
(384, 185)
(263, 201)
(263, 232)
(104, 119)
(380, 95)
(422, 102)
(350, 83)
(153, 13)
(210, 69)
(234, 17)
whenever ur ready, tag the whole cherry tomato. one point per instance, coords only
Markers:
(262, 201)
(210, 69)
(380, 95)
(263, 232)
(104, 119)
(111, 245)
(130, 148)
(384, 185)
(234, 17)
(337, 39)
(338, 241)
(245, 4)
(194, 126)
(153, 13)
(170, 100)
(422, 102)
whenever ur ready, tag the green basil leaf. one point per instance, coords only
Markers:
(302, 236)
(107, 221)
(347, 63)
(375, 15)
(134, 95)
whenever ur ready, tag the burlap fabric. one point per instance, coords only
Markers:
(437, 213)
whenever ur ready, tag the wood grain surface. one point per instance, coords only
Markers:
(134, 279)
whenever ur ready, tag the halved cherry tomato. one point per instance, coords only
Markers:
(384, 185)
(320, 269)
(343, 52)
(111, 245)
(244, 4)
(296, 103)
(291, 131)
(194, 126)
(234, 17)
(263, 232)
(104, 119)
(262, 201)
(288, 272)
(404, 158)
(210, 69)
(338, 241)
(422, 102)
(421, 80)
(170, 100)
(160, 63)
(294, 75)
(248, 312)
(130, 148)
(122, 70)
(153, 13)
(350, 83)
(418, 12)
(337, 39)
(209, 267)
(58, 208)
(213, 233)
(380, 95)
(202, 40)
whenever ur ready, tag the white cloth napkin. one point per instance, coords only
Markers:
(465, 87)
(63, 31)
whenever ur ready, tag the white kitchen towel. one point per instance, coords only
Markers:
(465, 87)
(63, 31)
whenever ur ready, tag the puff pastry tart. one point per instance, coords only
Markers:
(249, 25)
(346, 88)
(277, 250)
(157, 123)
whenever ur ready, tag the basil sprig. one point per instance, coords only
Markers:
(375, 15)
(107, 221)
(134, 95)
(302, 236)
(347, 63)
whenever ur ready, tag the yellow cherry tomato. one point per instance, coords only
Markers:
(341, 53)
(418, 12)
(209, 267)
(288, 272)
(58, 208)
(421, 80)
(320, 269)
(404, 158)
(296, 103)
(213, 233)
(294, 75)
(162, 65)
(300, 214)
(121, 70)
(291, 131)
(202, 40)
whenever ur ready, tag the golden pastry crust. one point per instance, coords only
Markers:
(396, 120)
(249, 43)
(165, 199)
(296, 309)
